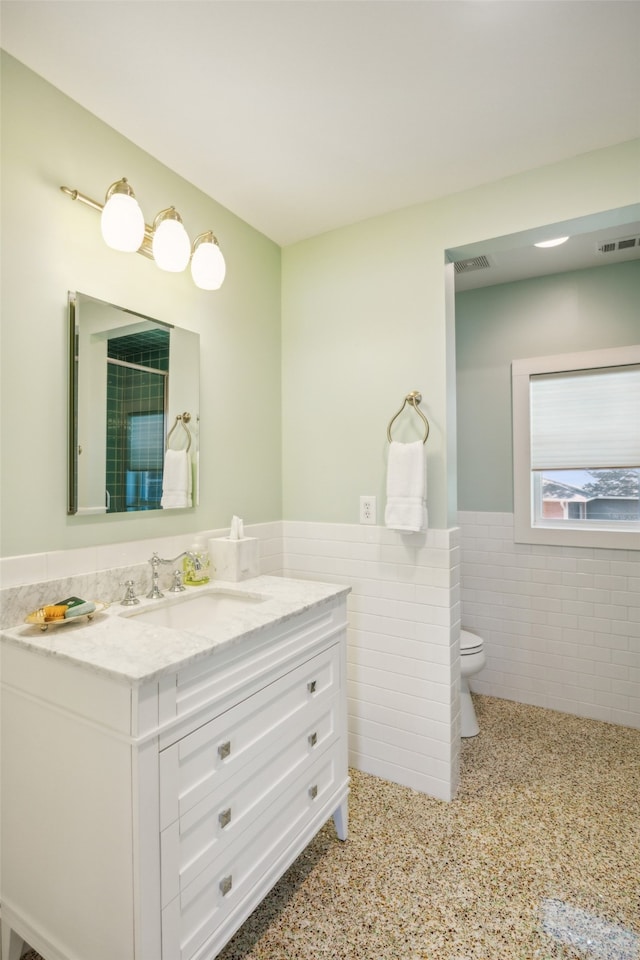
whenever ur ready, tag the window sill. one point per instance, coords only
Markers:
(564, 536)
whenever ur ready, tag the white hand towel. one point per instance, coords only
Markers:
(406, 487)
(176, 480)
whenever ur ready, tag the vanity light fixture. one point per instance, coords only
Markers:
(551, 243)
(166, 241)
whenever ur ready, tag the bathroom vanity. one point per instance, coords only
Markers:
(157, 781)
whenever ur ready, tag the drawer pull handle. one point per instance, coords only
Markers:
(313, 739)
(311, 686)
(224, 818)
(224, 749)
(225, 885)
(313, 791)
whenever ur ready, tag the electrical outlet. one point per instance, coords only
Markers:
(367, 509)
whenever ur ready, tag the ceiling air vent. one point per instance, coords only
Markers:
(475, 263)
(612, 246)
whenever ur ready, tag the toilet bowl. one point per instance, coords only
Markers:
(472, 660)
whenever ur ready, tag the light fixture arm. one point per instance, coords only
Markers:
(83, 198)
(119, 186)
(207, 237)
(169, 214)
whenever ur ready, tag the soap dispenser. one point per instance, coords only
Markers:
(196, 573)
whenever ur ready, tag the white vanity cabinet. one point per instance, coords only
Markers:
(145, 821)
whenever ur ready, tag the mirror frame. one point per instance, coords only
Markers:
(73, 395)
(72, 418)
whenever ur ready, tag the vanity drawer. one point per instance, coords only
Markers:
(203, 833)
(244, 668)
(208, 758)
(203, 905)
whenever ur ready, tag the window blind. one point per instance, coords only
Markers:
(586, 418)
(145, 441)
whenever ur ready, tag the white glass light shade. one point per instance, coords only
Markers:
(170, 245)
(122, 223)
(208, 268)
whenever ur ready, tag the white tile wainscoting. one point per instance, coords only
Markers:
(561, 625)
(403, 647)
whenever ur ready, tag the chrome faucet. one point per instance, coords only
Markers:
(156, 561)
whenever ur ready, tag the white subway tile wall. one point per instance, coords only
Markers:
(403, 645)
(561, 625)
(59, 564)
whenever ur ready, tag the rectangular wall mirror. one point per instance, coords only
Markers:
(134, 405)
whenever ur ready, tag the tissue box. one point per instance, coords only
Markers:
(234, 559)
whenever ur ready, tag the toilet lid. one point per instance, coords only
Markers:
(470, 642)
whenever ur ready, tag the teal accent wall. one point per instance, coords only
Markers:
(563, 313)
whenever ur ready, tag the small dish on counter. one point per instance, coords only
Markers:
(39, 618)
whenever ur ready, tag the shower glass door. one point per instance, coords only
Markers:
(136, 420)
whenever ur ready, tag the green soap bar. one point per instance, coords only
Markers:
(80, 609)
(71, 602)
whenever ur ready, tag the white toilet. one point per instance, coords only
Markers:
(472, 660)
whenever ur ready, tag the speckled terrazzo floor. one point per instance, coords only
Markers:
(537, 857)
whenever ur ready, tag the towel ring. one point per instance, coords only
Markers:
(414, 398)
(182, 419)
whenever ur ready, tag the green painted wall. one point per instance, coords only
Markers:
(367, 318)
(582, 310)
(50, 245)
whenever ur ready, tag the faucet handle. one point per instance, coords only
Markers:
(178, 585)
(130, 598)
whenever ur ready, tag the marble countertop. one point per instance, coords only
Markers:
(118, 643)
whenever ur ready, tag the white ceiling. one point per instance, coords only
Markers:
(305, 115)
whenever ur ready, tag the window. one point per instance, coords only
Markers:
(145, 458)
(576, 449)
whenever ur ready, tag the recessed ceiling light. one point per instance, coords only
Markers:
(551, 243)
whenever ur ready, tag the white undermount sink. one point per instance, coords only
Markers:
(198, 611)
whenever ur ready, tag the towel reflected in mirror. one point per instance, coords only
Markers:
(176, 480)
